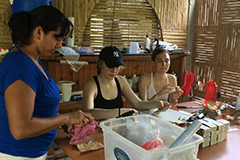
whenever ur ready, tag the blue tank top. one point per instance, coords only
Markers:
(18, 66)
(100, 102)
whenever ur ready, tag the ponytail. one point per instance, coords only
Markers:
(19, 25)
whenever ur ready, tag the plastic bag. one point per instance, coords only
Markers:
(72, 57)
(153, 144)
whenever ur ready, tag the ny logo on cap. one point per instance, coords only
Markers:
(115, 54)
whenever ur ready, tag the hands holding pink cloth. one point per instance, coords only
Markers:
(81, 133)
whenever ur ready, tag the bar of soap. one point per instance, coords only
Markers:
(173, 90)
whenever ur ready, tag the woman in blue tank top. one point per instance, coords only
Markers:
(29, 96)
(102, 93)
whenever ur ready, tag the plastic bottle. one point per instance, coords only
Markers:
(130, 81)
(211, 92)
(238, 102)
(147, 44)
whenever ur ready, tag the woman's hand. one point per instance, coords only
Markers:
(79, 118)
(174, 96)
(162, 107)
(136, 112)
(167, 89)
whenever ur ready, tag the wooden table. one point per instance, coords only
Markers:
(72, 151)
(227, 150)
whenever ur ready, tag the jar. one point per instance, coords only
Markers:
(210, 92)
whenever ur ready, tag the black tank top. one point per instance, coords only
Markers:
(100, 102)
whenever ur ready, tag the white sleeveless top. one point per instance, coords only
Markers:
(151, 91)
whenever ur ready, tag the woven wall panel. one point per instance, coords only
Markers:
(5, 36)
(207, 13)
(173, 16)
(230, 14)
(80, 10)
(116, 22)
(229, 84)
(175, 37)
(216, 51)
(229, 48)
(205, 49)
(4, 4)
(204, 73)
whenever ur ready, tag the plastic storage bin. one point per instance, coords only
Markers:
(124, 136)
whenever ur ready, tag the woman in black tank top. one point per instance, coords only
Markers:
(102, 93)
(101, 102)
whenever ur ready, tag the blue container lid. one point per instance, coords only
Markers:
(28, 5)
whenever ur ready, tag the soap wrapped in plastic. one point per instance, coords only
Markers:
(89, 144)
(153, 144)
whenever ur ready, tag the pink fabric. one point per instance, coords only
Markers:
(81, 133)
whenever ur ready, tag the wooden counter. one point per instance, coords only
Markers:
(135, 64)
(225, 150)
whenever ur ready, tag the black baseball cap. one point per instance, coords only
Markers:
(112, 56)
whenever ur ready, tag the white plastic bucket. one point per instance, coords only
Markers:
(66, 89)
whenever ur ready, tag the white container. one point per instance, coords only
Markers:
(238, 102)
(147, 43)
(66, 88)
(134, 48)
(124, 136)
(70, 40)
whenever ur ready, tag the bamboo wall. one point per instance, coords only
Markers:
(173, 16)
(216, 52)
(118, 23)
(5, 36)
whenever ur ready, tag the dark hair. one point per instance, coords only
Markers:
(157, 51)
(49, 18)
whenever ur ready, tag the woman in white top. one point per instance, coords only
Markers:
(159, 85)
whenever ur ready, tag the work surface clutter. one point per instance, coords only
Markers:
(123, 131)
